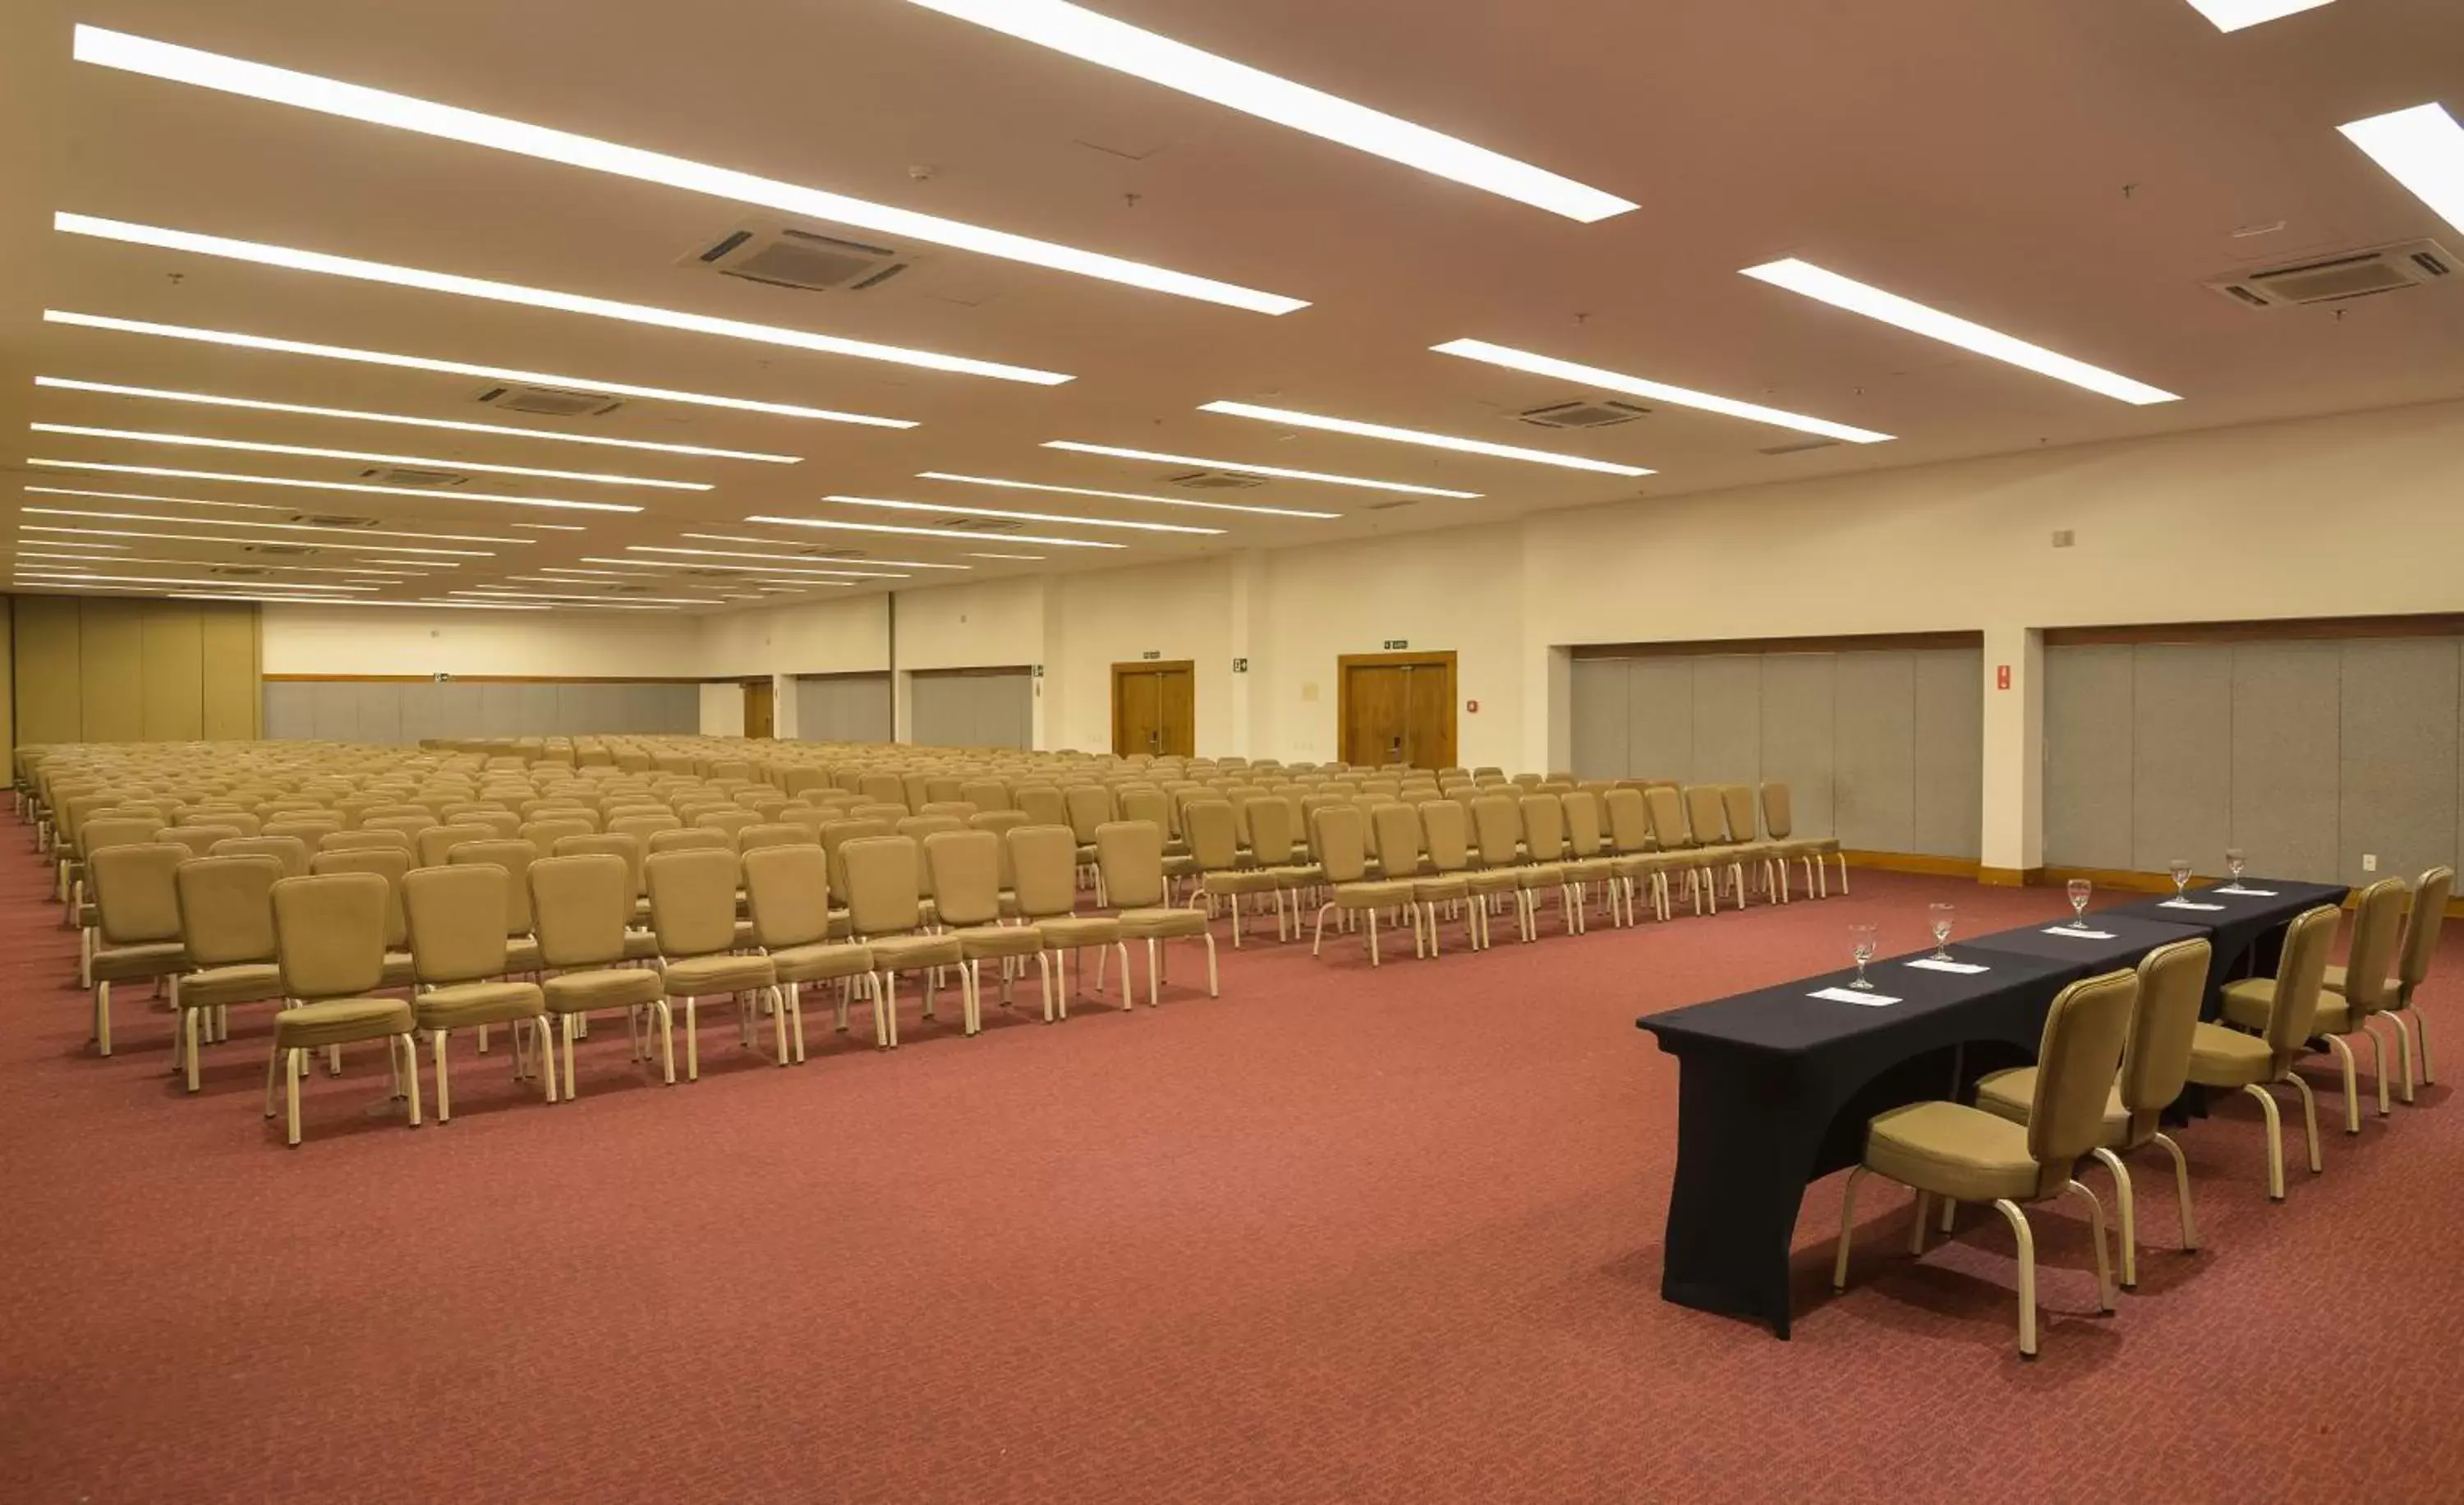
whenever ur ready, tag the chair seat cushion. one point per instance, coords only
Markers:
(1069, 932)
(1643, 864)
(701, 977)
(2336, 978)
(821, 962)
(1590, 870)
(1296, 875)
(1491, 881)
(601, 987)
(2222, 1057)
(155, 959)
(2247, 1003)
(898, 953)
(1543, 875)
(1953, 1151)
(1154, 925)
(476, 1004)
(982, 942)
(1442, 890)
(640, 945)
(1246, 880)
(2012, 1094)
(248, 983)
(1375, 894)
(339, 1021)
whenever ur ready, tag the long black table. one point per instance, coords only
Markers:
(2247, 929)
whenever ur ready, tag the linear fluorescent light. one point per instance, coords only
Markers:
(537, 297)
(2422, 148)
(791, 543)
(1006, 556)
(82, 552)
(1658, 391)
(243, 523)
(566, 569)
(1117, 45)
(139, 496)
(223, 538)
(191, 580)
(1434, 441)
(1257, 469)
(425, 604)
(377, 107)
(1122, 495)
(255, 447)
(495, 373)
(771, 564)
(455, 424)
(1830, 287)
(921, 533)
(550, 527)
(333, 485)
(1017, 517)
(2232, 15)
(560, 595)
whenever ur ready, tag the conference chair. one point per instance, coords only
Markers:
(1044, 879)
(1497, 837)
(2377, 915)
(435, 846)
(1545, 865)
(330, 944)
(1762, 852)
(1780, 823)
(1343, 857)
(580, 905)
(2421, 927)
(2223, 1058)
(456, 921)
(692, 914)
(1948, 1149)
(390, 865)
(225, 907)
(786, 889)
(2155, 1064)
(1214, 854)
(1445, 840)
(1588, 864)
(1129, 858)
(886, 911)
(1671, 829)
(137, 922)
(966, 869)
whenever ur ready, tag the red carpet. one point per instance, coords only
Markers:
(1338, 1236)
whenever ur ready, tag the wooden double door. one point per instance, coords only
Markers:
(1398, 708)
(761, 708)
(1155, 708)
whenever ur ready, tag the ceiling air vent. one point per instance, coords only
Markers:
(332, 520)
(278, 550)
(1389, 506)
(243, 572)
(1215, 480)
(696, 571)
(413, 476)
(1800, 447)
(550, 402)
(980, 524)
(2346, 274)
(781, 255)
(1583, 413)
(824, 551)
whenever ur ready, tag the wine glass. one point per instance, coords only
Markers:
(2080, 890)
(2180, 868)
(2235, 862)
(1941, 915)
(1860, 945)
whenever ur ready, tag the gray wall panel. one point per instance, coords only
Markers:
(1874, 757)
(336, 710)
(1660, 718)
(407, 714)
(2087, 755)
(1597, 715)
(380, 714)
(1797, 713)
(2286, 767)
(2181, 762)
(500, 710)
(1948, 747)
(421, 719)
(842, 708)
(535, 709)
(2398, 758)
(290, 709)
(1727, 719)
(458, 709)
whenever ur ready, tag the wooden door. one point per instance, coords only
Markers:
(1155, 709)
(1396, 708)
(759, 713)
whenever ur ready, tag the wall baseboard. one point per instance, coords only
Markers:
(2011, 877)
(1912, 862)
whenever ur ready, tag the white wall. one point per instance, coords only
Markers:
(816, 637)
(364, 640)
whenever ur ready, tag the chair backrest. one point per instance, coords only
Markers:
(1706, 814)
(329, 934)
(1041, 805)
(1778, 811)
(1629, 821)
(289, 851)
(1445, 836)
(135, 900)
(2076, 1064)
(226, 909)
(1272, 822)
(882, 789)
(2156, 1059)
(2300, 970)
(1044, 863)
(691, 838)
(1544, 826)
(966, 868)
(1131, 856)
(731, 820)
(456, 921)
(693, 901)
(579, 907)
(1581, 809)
(435, 845)
(1737, 809)
(514, 855)
(242, 822)
(753, 838)
(307, 828)
(985, 794)
(2378, 923)
(354, 840)
(1668, 824)
(788, 891)
(407, 825)
(1395, 829)
(542, 834)
(2421, 927)
(1207, 826)
(642, 827)
(388, 865)
(1497, 829)
(1088, 806)
(883, 884)
(116, 830)
(1341, 835)
(198, 839)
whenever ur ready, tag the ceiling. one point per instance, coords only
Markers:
(2070, 171)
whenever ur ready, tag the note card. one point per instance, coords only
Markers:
(2079, 933)
(1929, 964)
(2184, 903)
(2236, 888)
(1850, 995)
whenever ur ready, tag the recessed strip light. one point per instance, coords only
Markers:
(424, 604)
(567, 569)
(2232, 15)
(1122, 495)
(1658, 391)
(815, 559)
(298, 260)
(1006, 556)
(1434, 441)
(333, 485)
(83, 552)
(1257, 469)
(555, 595)
(922, 533)
(455, 424)
(1017, 517)
(1830, 287)
(377, 107)
(220, 538)
(1117, 45)
(2422, 148)
(139, 496)
(550, 527)
(200, 441)
(192, 580)
(771, 565)
(243, 523)
(494, 373)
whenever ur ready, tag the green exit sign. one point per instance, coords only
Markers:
(1395, 645)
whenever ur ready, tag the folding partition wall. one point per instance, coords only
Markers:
(109, 669)
(972, 707)
(407, 711)
(842, 708)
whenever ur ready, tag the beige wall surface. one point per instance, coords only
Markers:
(111, 668)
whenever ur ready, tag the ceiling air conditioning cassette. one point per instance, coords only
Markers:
(414, 476)
(808, 260)
(1215, 480)
(333, 519)
(550, 402)
(1583, 413)
(2345, 275)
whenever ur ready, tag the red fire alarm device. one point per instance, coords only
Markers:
(2002, 677)
(1472, 706)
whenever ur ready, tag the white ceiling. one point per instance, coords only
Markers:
(2065, 170)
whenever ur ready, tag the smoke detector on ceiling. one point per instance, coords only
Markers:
(2345, 275)
(414, 476)
(550, 402)
(1583, 413)
(781, 255)
(1215, 480)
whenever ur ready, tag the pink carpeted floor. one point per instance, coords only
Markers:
(1339, 1235)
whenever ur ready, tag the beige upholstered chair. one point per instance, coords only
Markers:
(2225, 1058)
(2378, 916)
(1445, 844)
(579, 906)
(1589, 865)
(1497, 835)
(330, 934)
(787, 890)
(966, 868)
(1760, 853)
(1780, 820)
(227, 928)
(456, 919)
(1215, 855)
(692, 914)
(1706, 820)
(1968, 1155)
(435, 846)
(137, 909)
(886, 911)
(1042, 861)
(1341, 839)
(2421, 926)
(1130, 856)
(1547, 863)
(391, 865)
(2155, 1063)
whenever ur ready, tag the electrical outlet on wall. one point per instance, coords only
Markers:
(2369, 862)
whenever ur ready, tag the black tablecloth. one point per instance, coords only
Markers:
(2106, 940)
(1776, 1088)
(2247, 932)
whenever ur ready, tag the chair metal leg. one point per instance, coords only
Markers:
(2275, 1141)
(2026, 1238)
(2126, 1215)
(2096, 1230)
(2309, 1120)
(1317, 937)
(1373, 936)
(1917, 1224)
(291, 1064)
(2352, 1087)
(2421, 1028)
(2182, 1191)
(2379, 1064)
(2405, 1078)
(1213, 987)
(443, 1091)
(409, 1071)
(101, 1018)
(570, 1079)
(1847, 1222)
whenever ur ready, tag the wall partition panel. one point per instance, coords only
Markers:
(2181, 755)
(229, 649)
(972, 708)
(2398, 756)
(2286, 767)
(1800, 721)
(111, 664)
(173, 696)
(2088, 740)
(1659, 720)
(1949, 789)
(1873, 776)
(408, 712)
(1596, 719)
(1727, 720)
(844, 708)
(121, 669)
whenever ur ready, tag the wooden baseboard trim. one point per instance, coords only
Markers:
(2011, 877)
(1911, 862)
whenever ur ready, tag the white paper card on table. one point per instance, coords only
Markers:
(1932, 966)
(2236, 888)
(2078, 933)
(2184, 903)
(1850, 995)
